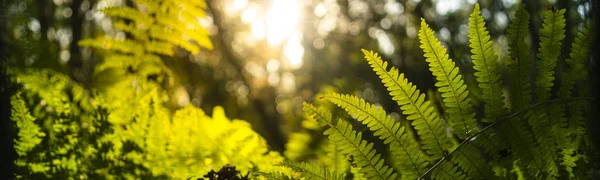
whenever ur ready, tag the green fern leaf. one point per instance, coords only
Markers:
(519, 61)
(431, 131)
(486, 65)
(448, 171)
(133, 14)
(172, 36)
(520, 88)
(334, 159)
(489, 78)
(124, 46)
(404, 148)
(471, 161)
(574, 124)
(131, 29)
(552, 33)
(455, 97)
(580, 52)
(30, 134)
(351, 143)
(275, 175)
(450, 83)
(311, 172)
(159, 47)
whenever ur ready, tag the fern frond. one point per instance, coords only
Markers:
(30, 134)
(131, 29)
(455, 97)
(580, 51)
(450, 83)
(431, 131)
(552, 33)
(156, 28)
(404, 148)
(310, 171)
(447, 171)
(471, 161)
(129, 13)
(519, 61)
(486, 65)
(128, 61)
(351, 143)
(489, 78)
(521, 141)
(159, 47)
(334, 159)
(275, 175)
(124, 46)
(519, 65)
(172, 36)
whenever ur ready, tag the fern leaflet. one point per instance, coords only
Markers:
(552, 32)
(404, 148)
(455, 96)
(311, 172)
(447, 170)
(412, 102)
(519, 62)
(518, 66)
(580, 51)
(351, 143)
(484, 60)
(571, 138)
(450, 83)
(490, 80)
(30, 134)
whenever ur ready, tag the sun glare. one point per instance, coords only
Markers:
(278, 25)
(294, 51)
(281, 20)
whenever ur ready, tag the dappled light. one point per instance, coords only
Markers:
(299, 89)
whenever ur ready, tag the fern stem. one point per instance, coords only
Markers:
(497, 123)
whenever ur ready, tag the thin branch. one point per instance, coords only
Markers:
(494, 124)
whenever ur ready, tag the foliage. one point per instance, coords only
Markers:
(342, 134)
(154, 28)
(536, 135)
(60, 140)
(120, 127)
(312, 172)
(70, 137)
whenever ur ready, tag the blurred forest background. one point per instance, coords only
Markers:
(269, 55)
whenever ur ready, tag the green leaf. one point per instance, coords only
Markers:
(449, 82)
(551, 35)
(431, 131)
(312, 172)
(486, 65)
(403, 146)
(351, 143)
